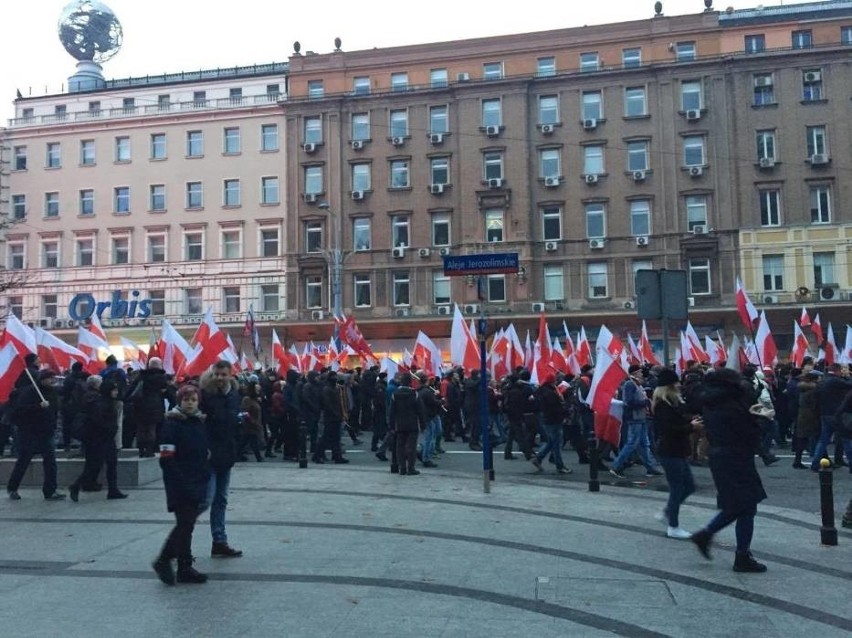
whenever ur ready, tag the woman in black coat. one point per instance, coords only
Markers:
(734, 437)
(148, 396)
(186, 473)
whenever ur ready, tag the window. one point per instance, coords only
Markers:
(399, 174)
(401, 289)
(492, 71)
(770, 207)
(631, 58)
(363, 291)
(194, 144)
(232, 244)
(164, 102)
(120, 250)
(316, 89)
(640, 217)
(696, 211)
(699, 277)
(269, 137)
(684, 51)
(592, 108)
(399, 81)
(232, 192)
(269, 189)
(231, 299)
(50, 254)
(231, 140)
(235, 95)
(690, 96)
(51, 204)
(492, 112)
(269, 242)
(85, 251)
(128, 104)
(27, 114)
(812, 85)
(399, 231)
(194, 246)
(593, 159)
(156, 249)
(493, 165)
(16, 306)
(87, 202)
(820, 202)
(122, 149)
(755, 43)
(640, 264)
(399, 123)
(765, 145)
(554, 285)
(551, 223)
(693, 150)
(193, 303)
(158, 302)
(441, 288)
(439, 169)
(313, 180)
(59, 111)
(95, 108)
(20, 161)
(637, 156)
(313, 237)
(48, 306)
(595, 221)
(496, 288)
(157, 195)
(194, 195)
(773, 272)
(361, 233)
(121, 200)
(269, 298)
(548, 163)
(589, 61)
(361, 178)
(158, 146)
(19, 206)
(87, 153)
(816, 140)
(53, 157)
(438, 119)
(438, 78)
(546, 67)
(313, 291)
(17, 256)
(361, 85)
(845, 35)
(313, 130)
(764, 89)
(494, 225)
(598, 286)
(634, 101)
(360, 126)
(802, 39)
(548, 109)
(824, 269)
(440, 230)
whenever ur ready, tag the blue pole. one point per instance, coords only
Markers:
(487, 467)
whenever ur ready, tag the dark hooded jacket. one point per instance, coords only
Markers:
(222, 420)
(183, 458)
(406, 411)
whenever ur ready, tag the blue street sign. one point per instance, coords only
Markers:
(488, 264)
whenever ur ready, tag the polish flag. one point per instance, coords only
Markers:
(91, 346)
(528, 353)
(20, 335)
(608, 424)
(173, 349)
(846, 356)
(715, 351)
(805, 319)
(97, 329)
(472, 329)
(11, 366)
(645, 348)
(279, 356)
(607, 341)
(766, 349)
(816, 328)
(734, 360)
(133, 354)
(558, 361)
(498, 355)
(747, 311)
(542, 351)
(751, 353)
(584, 350)
(698, 353)
(820, 354)
(605, 382)
(57, 354)
(389, 366)
(154, 345)
(800, 346)
(230, 353)
(214, 346)
(464, 351)
(516, 351)
(831, 354)
(635, 355)
(427, 355)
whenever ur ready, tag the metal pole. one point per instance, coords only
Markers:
(666, 359)
(828, 532)
(594, 461)
(487, 468)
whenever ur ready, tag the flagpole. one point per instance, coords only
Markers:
(35, 385)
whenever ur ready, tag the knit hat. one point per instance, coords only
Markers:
(667, 377)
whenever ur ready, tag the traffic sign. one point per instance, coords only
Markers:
(489, 264)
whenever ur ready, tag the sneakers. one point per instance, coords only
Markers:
(564, 470)
(56, 496)
(744, 562)
(163, 569)
(114, 496)
(223, 550)
(534, 460)
(14, 496)
(702, 539)
(654, 472)
(412, 472)
(617, 473)
(678, 533)
(429, 464)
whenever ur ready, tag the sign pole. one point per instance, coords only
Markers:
(487, 460)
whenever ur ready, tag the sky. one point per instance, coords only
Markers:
(168, 36)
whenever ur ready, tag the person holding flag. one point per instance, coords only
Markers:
(635, 414)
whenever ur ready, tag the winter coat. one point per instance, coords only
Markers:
(34, 421)
(149, 400)
(807, 422)
(550, 401)
(430, 402)
(222, 421)
(406, 413)
(311, 403)
(252, 417)
(673, 428)
(332, 403)
(519, 400)
(635, 402)
(830, 394)
(100, 418)
(184, 459)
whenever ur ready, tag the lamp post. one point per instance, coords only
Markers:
(334, 256)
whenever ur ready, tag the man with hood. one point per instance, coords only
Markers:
(406, 419)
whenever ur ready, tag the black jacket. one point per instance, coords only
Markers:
(149, 401)
(332, 405)
(406, 412)
(33, 420)
(183, 459)
(552, 408)
(830, 393)
(100, 418)
(311, 400)
(672, 427)
(430, 402)
(223, 427)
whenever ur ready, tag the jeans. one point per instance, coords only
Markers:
(829, 424)
(28, 447)
(498, 422)
(681, 485)
(217, 498)
(744, 529)
(637, 437)
(430, 436)
(553, 445)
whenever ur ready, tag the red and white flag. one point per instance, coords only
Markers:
(645, 348)
(541, 352)
(697, 352)
(352, 336)
(605, 382)
(558, 362)
(846, 357)
(279, 356)
(734, 358)
(607, 341)
(516, 351)
(831, 354)
(747, 311)
(173, 348)
(715, 350)
(800, 346)
(11, 366)
(764, 341)
(608, 424)
(133, 354)
(464, 351)
(20, 335)
(635, 355)
(213, 346)
(97, 329)
(427, 355)
(584, 350)
(57, 354)
(805, 319)
(93, 347)
(816, 328)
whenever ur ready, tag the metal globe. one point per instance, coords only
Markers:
(89, 30)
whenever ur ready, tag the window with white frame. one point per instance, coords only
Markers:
(640, 217)
(440, 229)
(693, 150)
(53, 157)
(363, 290)
(595, 220)
(193, 246)
(19, 206)
(846, 35)
(87, 153)
(158, 302)
(493, 165)
(438, 119)
(316, 89)
(193, 301)
(269, 188)
(773, 273)
(816, 140)
(361, 85)
(598, 285)
(231, 140)
(637, 155)
(589, 61)
(635, 101)
(17, 255)
(802, 39)
(554, 283)
(494, 219)
(699, 277)
(313, 237)
(362, 236)
(770, 207)
(685, 51)
(812, 85)
(548, 163)
(194, 144)
(15, 306)
(492, 71)
(439, 170)
(401, 289)
(496, 288)
(231, 192)
(20, 158)
(360, 126)
(399, 173)
(820, 204)
(121, 200)
(269, 242)
(158, 146)
(754, 43)
(313, 130)
(398, 123)
(546, 67)
(157, 198)
(85, 251)
(551, 223)
(492, 112)
(270, 298)
(764, 89)
(361, 177)
(690, 96)
(122, 149)
(592, 105)
(399, 81)
(156, 249)
(194, 195)
(824, 269)
(51, 204)
(268, 137)
(548, 109)
(50, 254)
(232, 243)
(438, 78)
(631, 57)
(593, 159)
(121, 250)
(231, 299)
(400, 231)
(696, 211)
(49, 306)
(765, 145)
(441, 288)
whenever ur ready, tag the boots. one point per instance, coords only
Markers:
(186, 573)
(165, 572)
(744, 562)
(702, 539)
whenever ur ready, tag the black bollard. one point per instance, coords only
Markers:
(828, 533)
(303, 445)
(594, 461)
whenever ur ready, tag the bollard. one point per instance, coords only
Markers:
(594, 462)
(303, 445)
(828, 533)
(847, 517)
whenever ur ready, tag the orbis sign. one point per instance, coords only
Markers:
(84, 305)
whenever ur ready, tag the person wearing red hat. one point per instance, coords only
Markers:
(552, 414)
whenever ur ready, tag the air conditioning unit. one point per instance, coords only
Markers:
(693, 115)
(357, 145)
(591, 178)
(471, 309)
(357, 195)
(768, 299)
(547, 129)
(699, 229)
(462, 77)
(590, 124)
(444, 251)
(317, 315)
(818, 159)
(690, 301)
(423, 252)
(398, 140)
(767, 162)
(629, 305)
(763, 80)
(596, 244)
(696, 171)
(398, 253)
(813, 76)
(309, 147)
(495, 182)
(402, 312)
(492, 131)
(550, 246)
(638, 176)
(444, 310)
(310, 198)
(436, 138)
(642, 240)
(436, 189)
(827, 293)
(551, 182)
(538, 306)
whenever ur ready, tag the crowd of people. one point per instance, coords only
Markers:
(201, 428)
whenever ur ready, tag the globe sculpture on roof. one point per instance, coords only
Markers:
(92, 34)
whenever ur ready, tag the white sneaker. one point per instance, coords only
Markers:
(678, 533)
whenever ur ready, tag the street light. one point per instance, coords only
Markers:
(334, 257)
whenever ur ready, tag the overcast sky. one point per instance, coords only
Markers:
(180, 35)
